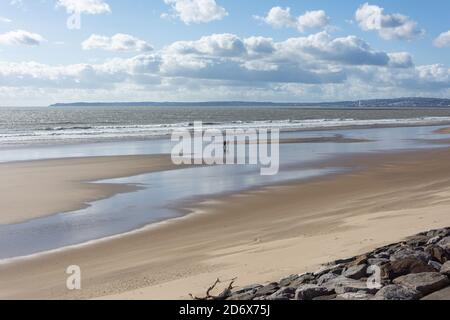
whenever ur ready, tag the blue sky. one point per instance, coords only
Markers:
(222, 50)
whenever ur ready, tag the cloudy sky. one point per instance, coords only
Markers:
(196, 50)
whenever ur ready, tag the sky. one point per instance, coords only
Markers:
(197, 50)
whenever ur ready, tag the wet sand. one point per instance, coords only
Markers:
(34, 189)
(256, 236)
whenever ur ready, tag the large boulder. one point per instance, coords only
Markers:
(343, 285)
(405, 266)
(443, 294)
(303, 279)
(285, 293)
(356, 272)
(445, 269)
(267, 290)
(354, 296)
(438, 253)
(425, 283)
(405, 253)
(311, 291)
(445, 244)
(396, 292)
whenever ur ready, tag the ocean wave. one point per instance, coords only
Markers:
(98, 132)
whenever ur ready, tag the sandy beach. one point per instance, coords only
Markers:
(62, 185)
(257, 236)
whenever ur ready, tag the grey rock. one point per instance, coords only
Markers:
(303, 279)
(337, 269)
(326, 278)
(417, 241)
(401, 267)
(425, 283)
(285, 282)
(356, 272)
(434, 240)
(438, 253)
(378, 261)
(267, 290)
(344, 285)
(382, 255)
(445, 269)
(311, 291)
(245, 296)
(246, 289)
(408, 253)
(444, 243)
(354, 296)
(436, 265)
(285, 293)
(325, 298)
(396, 292)
(443, 294)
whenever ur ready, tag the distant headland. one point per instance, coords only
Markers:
(374, 103)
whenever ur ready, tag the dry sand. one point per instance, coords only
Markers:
(38, 188)
(258, 236)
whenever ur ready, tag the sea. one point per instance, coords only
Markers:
(34, 126)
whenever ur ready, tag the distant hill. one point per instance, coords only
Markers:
(374, 103)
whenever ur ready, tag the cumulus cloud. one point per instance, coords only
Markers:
(195, 11)
(5, 20)
(279, 17)
(118, 42)
(21, 37)
(443, 40)
(388, 26)
(84, 6)
(230, 67)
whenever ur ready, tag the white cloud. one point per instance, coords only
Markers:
(118, 42)
(85, 6)
(21, 37)
(443, 40)
(196, 11)
(388, 26)
(226, 66)
(279, 17)
(5, 20)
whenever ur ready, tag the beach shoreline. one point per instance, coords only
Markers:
(258, 235)
(62, 185)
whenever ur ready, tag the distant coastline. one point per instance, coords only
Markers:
(379, 103)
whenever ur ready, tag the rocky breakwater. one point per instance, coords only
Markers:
(417, 268)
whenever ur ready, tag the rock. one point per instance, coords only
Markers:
(358, 261)
(382, 255)
(245, 296)
(425, 283)
(344, 285)
(409, 253)
(325, 298)
(436, 265)
(267, 290)
(342, 261)
(247, 289)
(285, 282)
(417, 241)
(434, 240)
(354, 296)
(285, 293)
(439, 233)
(396, 292)
(445, 269)
(311, 291)
(356, 272)
(443, 294)
(377, 261)
(337, 269)
(445, 244)
(326, 278)
(397, 268)
(303, 279)
(437, 253)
